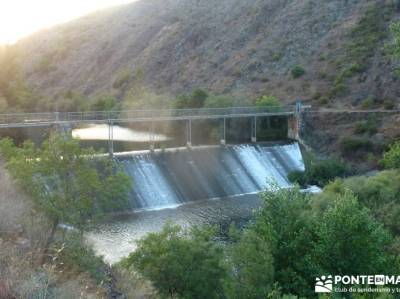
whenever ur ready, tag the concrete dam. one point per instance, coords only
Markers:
(167, 179)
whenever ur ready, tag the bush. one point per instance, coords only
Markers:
(351, 145)
(297, 71)
(319, 172)
(298, 177)
(83, 259)
(195, 100)
(368, 102)
(338, 90)
(104, 103)
(322, 172)
(182, 264)
(219, 101)
(366, 127)
(391, 159)
(349, 240)
(389, 104)
(267, 101)
(379, 193)
(251, 268)
(123, 77)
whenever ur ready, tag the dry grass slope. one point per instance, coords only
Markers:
(225, 46)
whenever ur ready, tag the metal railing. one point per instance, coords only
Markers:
(49, 118)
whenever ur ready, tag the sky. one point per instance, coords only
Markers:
(19, 18)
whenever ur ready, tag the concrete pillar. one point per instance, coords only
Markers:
(189, 133)
(254, 129)
(223, 132)
(293, 127)
(151, 136)
(294, 122)
(111, 139)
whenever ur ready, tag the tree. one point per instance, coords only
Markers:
(104, 103)
(394, 47)
(267, 101)
(349, 240)
(219, 101)
(395, 28)
(297, 71)
(379, 193)
(65, 181)
(194, 100)
(391, 159)
(250, 267)
(180, 264)
(288, 225)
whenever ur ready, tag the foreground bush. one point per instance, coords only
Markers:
(292, 239)
(66, 182)
(391, 159)
(319, 172)
(180, 264)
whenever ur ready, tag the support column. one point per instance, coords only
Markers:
(294, 122)
(254, 129)
(189, 133)
(151, 136)
(111, 139)
(223, 132)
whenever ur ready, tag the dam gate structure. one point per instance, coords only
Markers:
(64, 120)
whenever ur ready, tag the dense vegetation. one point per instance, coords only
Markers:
(293, 238)
(69, 186)
(350, 228)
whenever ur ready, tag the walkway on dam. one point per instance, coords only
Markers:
(18, 120)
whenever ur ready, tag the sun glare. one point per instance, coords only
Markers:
(19, 18)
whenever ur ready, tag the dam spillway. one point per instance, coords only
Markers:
(170, 178)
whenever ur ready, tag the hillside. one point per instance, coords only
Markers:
(246, 48)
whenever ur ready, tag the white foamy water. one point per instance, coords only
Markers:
(165, 179)
(101, 132)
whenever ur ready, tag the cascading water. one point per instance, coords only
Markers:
(170, 178)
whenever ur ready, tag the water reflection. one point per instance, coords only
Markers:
(101, 132)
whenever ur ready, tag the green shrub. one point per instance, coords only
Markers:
(297, 71)
(368, 102)
(298, 177)
(104, 103)
(267, 101)
(82, 258)
(379, 193)
(323, 100)
(123, 77)
(350, 145)
(220, 101)
(338, 90)
(196, 99)
(180, 264)
(389, 104)
(366, 127)
(391, 159)
(319, 172)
